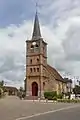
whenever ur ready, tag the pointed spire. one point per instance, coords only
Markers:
(36, 31)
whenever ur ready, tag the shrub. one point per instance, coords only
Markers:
(60, 96)
(55, 98)
(50, 95)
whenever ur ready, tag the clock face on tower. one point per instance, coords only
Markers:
(34, 47)
(33, 43)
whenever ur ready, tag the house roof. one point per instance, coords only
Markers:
(55, 73)
(11, 88)
(68, 80)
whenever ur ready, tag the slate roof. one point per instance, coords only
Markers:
(36, 30)
(55, 73)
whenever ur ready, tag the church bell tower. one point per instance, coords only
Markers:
(36, 62)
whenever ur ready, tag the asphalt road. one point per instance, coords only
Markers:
(12, 108)
(66, 114)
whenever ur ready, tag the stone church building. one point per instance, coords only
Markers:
(40, 76)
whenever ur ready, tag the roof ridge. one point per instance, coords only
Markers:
(57, 76)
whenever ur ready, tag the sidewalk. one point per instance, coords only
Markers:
(42, 101)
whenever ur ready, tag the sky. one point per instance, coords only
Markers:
(60, 28)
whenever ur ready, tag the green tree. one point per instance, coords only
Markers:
(21, 89)
(1, 88)
(2, 83)
(76, 90)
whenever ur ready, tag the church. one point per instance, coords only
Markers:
(40, 76)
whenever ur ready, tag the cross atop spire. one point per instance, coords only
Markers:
(36, 30)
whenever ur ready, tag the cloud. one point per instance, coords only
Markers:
(13, 53)
(60, 27)
(71, 43)
(63, 18)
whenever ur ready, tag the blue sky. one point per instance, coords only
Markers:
(15, 11)
(60, 28)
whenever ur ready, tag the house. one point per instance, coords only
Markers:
(11, 90)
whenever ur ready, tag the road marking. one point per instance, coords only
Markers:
(44, 113)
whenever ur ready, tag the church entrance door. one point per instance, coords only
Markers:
(34, 89)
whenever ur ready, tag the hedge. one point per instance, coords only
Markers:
(50, 95)
(53, 95)
(60, 96)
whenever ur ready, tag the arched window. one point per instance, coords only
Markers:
(34, 70)
(37, 59)
(32, 46)
(30, 61)
(36, 45)
(37, 69)
(30, 69)
(43, 83)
